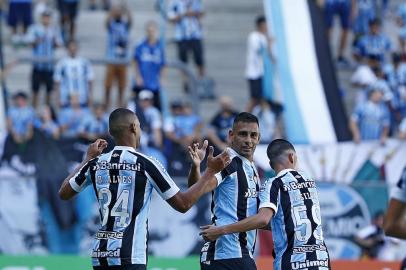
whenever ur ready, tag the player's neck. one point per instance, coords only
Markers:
(128, 143)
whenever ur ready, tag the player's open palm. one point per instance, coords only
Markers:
(219, 162)
(96, 148)
(197, 153)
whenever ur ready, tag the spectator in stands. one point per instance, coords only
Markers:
(267, 121)
(186, 126)
(73, 76)
(401, 19)
(346, 10)
(20, 119)
(186, 15)
(118, 26)
(93, 4)
(393, 70)
(19, 14)
(44, 38)
(95, 125)
(258, 44)
(221, 123)
(402, 129)
(370, 120)
(374, 43)
(46, 123)
(365, 12)
(149, 63)
(68, 10)
(70, 118)
(152, 127)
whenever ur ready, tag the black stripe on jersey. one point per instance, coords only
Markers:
(154, 172)
(286, 205)
(231, 168)
(140, 183)
(242, 204)
(93, 178)
(311, 256)
(82, 173)
(113, 187)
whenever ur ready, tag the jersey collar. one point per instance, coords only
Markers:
(234, 153)
(125, 148)
(283, 172)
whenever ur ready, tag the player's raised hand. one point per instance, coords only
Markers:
(96, 148)
(210, 232)
(219, 162)
(197, 153)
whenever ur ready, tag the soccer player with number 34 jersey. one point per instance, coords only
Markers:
(123, 181)
(291, 203)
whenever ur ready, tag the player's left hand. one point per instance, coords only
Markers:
(210, 232)
(96, 148)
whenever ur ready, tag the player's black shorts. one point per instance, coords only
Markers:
(122, 267)
(193, 45)
(42, 77)
(256, 88)
(229, 264)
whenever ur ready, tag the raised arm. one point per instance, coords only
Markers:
(197, 155)
(183, 201)
(395, 222)
(66, 192)
(258, 221)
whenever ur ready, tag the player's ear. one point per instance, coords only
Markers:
(133, 128)
(291, 157)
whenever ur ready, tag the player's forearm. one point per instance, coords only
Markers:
(65, 193)
(193, 194)
(247, 224)
(194, 175)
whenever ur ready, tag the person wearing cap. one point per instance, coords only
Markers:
(152, 127)
(370, 119)
(20, 119)
(44, 38)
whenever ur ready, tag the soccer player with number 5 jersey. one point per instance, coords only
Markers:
(291, 203)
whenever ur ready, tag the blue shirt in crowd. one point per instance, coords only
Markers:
(366, 12)
(118, 32)
(223, 124)
(91, 124)
(22, 118)
(376, 45)
(48, 128)
(151, 60)
(188, 27)
(371, 118)
(72, 118)
(185, 124)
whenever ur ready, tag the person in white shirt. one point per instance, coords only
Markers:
(73, 76)
(257, 45)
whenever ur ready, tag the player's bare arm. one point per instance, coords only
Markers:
(66, 192)
(258, 221)
(183, 201)
(197, 155)
(395, 222)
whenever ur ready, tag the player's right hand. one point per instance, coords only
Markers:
(96, 148)
(218, 163)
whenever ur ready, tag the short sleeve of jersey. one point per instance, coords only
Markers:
(82, 179)
(269, 195)
(226, 173)
(399, 192)
(160, 179)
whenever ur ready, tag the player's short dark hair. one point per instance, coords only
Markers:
(277, 148)
(260, 20)
(117, 121)
(245, 117)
